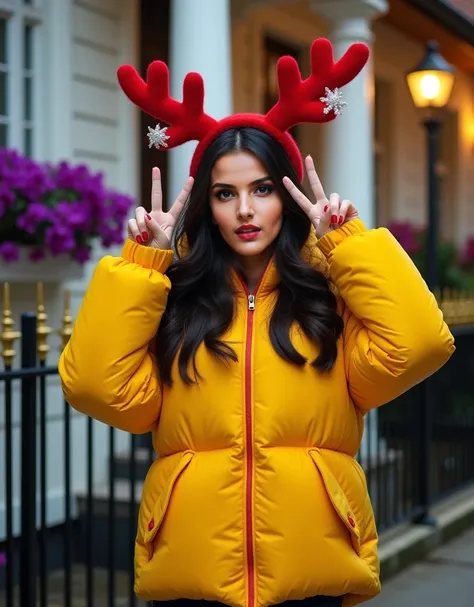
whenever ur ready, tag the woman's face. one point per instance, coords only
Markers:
(245, 204)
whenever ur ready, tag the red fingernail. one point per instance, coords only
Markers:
(139, 240)
(145, 236)
(334, 219)
(148, 216)
(326, 208)
(341, 218)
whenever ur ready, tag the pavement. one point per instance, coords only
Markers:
(445, 578)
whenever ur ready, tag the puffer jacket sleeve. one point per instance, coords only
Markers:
(394, 334)
(107, 369)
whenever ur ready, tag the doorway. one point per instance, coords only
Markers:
(154, 45)
(273, 50)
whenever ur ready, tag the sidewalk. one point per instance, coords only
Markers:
(445, 578)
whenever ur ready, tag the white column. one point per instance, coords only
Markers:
(348, 150)
(349, 140)
(200, 42)
(55, 131)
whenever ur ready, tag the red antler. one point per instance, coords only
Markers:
(187, 119)
(299, 100)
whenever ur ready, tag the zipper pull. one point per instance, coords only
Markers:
(251, 299)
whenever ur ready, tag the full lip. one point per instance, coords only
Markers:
(248, 228)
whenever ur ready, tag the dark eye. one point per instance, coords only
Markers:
(224, 195)
(264, 189)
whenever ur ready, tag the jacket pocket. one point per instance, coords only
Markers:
(338, 499)
(161, 505)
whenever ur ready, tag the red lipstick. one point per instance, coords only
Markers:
(247, 232)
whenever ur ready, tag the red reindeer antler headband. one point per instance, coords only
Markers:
(315, 99)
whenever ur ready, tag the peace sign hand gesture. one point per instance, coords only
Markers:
(325, 214)
(154, 229)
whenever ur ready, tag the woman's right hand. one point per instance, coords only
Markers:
(154, 229)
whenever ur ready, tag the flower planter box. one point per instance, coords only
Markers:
(61, 212)
(49, 270)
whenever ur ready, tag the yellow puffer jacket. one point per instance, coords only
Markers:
(256, 497)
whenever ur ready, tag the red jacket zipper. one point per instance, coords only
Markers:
(251, 298)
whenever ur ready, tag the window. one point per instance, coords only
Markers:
(154, 33)
(19, 22)
(28, 88)
(3, 84)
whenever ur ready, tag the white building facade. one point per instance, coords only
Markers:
(59, 99)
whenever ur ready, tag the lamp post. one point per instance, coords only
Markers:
(430, 84)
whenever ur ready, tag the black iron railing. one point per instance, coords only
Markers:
(88, 552)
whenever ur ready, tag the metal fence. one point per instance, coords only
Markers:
(418, 449)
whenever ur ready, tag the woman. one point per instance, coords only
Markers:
(253, 355)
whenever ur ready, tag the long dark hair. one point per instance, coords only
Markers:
(201, 302)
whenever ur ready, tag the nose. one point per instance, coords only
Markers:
(244, 207)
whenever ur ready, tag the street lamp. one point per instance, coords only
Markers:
(430, 84)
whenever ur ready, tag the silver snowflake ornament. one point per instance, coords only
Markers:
(333, 101)
(158, 137)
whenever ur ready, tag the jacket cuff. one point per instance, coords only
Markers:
(334, 238)
(151, 259)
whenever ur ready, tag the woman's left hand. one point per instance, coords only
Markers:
(326, 214)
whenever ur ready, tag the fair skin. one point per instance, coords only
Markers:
(242, 195)
(326, 214)
(154, 229)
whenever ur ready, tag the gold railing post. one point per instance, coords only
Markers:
(8, 335)
(42, 330)
(66, 330)
(457, 307)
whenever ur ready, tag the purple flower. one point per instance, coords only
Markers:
(120, 207)
(59, 239)
(81, 254)
(9, 252)
(467, 255)
(24, 176)
(35, 214)
(37, 184)
(59, 208)
(406, 235)
(7, 198)
(73, 214)
(470, 249)
(111, 236)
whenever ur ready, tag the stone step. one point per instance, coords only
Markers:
(79, 597)
(143, 459)
(123, 494)
(117, 530)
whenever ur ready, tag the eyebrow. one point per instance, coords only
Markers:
(230, 186)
